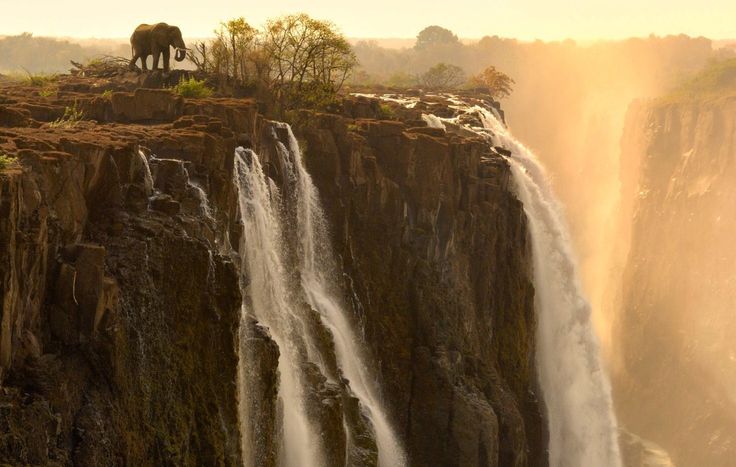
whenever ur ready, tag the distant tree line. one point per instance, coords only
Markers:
(433, 64)
(439, 59)
(49, 55)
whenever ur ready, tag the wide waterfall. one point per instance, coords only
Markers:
(576, 391)
(267, 213)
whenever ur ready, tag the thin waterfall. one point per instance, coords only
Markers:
(147, 177)
(261, 253)
(319, 279)
(576, 390)
(433, 121)
(275, 294)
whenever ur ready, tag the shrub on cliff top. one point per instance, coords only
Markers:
(192, 88)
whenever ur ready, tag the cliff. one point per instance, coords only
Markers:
(675, 331)
(121, 290)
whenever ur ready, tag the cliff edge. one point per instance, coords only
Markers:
(121, 289)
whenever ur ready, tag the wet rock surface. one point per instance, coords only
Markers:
(121, 294)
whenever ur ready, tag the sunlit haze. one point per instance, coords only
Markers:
(524, 19)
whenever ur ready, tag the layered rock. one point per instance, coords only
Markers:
(120, 307)
(121, 294)
(675, 331)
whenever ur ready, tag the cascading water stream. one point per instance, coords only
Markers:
(575, 387)
(273, 303)
(261, 255)
(576, 390)
(319, 276)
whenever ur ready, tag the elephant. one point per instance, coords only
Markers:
(155, 39)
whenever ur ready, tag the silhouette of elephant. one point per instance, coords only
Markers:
(155, 39)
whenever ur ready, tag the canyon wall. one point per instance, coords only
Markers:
(674, 351)
(120, 281)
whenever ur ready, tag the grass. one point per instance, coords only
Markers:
(6, 160)
(717, 79)
(38, 80)
(72, 116)
(192, 88)
(107, 94)
(48, 92)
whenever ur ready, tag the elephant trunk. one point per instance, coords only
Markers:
(180, 54)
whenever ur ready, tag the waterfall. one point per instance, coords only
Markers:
(319, 276)
(433, 121)
(274, 298)
(147, 176)
(576, 390)
(261, 253)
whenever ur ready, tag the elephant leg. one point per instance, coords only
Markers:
(167, 56)
(132, 62)
(144, 65)
(156, 54)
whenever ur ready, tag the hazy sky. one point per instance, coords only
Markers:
(525, 19)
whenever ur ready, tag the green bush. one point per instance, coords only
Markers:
(192, 88)
(6, 160)
(72, 116)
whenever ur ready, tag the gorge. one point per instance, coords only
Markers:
(136, 331)
(188, 282)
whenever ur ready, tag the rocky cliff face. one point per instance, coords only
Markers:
(120, 288)
(676, 370)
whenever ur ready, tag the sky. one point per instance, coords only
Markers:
(523, 19)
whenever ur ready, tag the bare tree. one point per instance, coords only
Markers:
(198, 56)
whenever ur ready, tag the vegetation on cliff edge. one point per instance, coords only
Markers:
(294, 61)
(192, 87)
(717, 79)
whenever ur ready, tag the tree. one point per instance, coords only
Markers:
(433, 36)
(442, 76)
(309, 60)
(496, 83)
(295, 61)
(230, 55)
